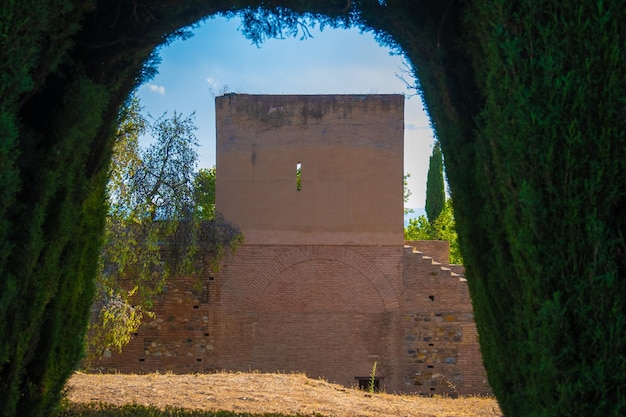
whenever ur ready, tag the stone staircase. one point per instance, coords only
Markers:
(442, 356)
(443, 269)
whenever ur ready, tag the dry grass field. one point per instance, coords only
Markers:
(288, 394)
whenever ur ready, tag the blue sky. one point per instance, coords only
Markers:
(218, 59)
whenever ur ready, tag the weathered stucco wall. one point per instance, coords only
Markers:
(350, 149)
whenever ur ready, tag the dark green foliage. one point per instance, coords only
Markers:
(104, 410)
(32, 44)
(56, 219)
(527, 99)
(60, 90)
(435, 188)
(546, 263)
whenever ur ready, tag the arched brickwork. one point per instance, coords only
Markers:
(367, 269)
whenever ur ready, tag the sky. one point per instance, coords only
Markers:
(218, 59)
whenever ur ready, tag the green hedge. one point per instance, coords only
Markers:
(528, 100)
(546, 252)
(44, 257)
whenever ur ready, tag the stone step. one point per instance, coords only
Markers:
(438, 267)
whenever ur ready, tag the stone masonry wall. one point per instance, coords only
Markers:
(177, 339)
(442, 354)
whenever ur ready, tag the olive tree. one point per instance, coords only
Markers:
(160, 210)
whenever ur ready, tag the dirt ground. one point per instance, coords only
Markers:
(266, 393)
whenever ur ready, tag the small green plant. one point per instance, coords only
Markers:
(453, 388)
(372, 385)
(299, 176)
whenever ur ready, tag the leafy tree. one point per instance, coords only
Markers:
(419, 229)
(113, 319)
(407, 193)
(215, 235)
(443, 228)
(299, 177)
(204, 193)
(155, 197)
(149, 193)
(435, 189)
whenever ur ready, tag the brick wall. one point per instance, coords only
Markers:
(439, 250)
(328, 311)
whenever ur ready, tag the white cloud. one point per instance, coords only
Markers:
(159, 89)
(213, 82)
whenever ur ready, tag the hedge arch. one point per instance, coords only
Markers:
(527, 99)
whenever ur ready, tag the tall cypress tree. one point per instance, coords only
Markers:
(435, 192)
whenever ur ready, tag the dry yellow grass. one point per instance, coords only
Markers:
(266, 393)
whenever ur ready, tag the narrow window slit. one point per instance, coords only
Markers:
(298, 176)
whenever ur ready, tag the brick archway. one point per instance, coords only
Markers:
(344, 255)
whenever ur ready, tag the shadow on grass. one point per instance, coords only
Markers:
(69, 409)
